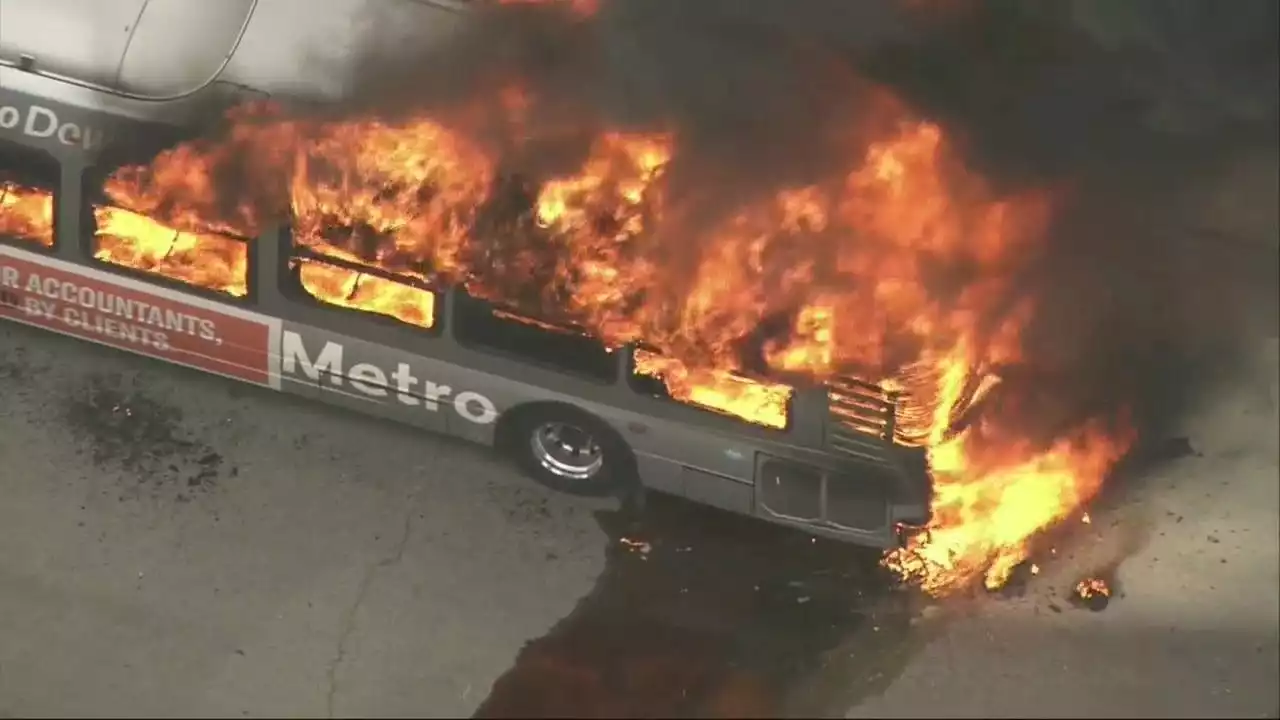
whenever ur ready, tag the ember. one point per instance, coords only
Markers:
(1092, 593)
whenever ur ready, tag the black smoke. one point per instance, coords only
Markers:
(1133, 108)
(1140, 110)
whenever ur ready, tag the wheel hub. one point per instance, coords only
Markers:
(567, 451)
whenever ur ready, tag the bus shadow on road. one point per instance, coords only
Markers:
(702, 614)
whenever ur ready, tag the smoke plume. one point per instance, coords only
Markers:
(1129, 109)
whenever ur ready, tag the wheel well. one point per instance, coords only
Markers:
(511, 419)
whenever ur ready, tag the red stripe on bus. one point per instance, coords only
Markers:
(150, 324)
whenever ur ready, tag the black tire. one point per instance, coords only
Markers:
(529, 439)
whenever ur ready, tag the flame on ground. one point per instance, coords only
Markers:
(1092, 593)
(1092, 587)
(899, 270)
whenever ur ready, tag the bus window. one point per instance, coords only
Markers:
(27, 182)
(758, 402)
(355, 290)
(203, 259)
(480, 325)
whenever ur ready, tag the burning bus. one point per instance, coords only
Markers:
(294, 301)
(417, 345)
(817, 364)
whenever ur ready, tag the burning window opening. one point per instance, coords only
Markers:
(758, 402)
(326, 246)
(26, 213)
(345, 287)
(207, 260)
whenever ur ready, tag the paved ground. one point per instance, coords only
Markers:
(292, 561)
(272, 557)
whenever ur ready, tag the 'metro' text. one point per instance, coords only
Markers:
(327, 368)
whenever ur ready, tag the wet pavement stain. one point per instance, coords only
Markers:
(126, 429)
(699, 613)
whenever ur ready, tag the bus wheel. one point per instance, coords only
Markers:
(570, 451)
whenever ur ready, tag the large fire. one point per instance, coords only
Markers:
(898, 270)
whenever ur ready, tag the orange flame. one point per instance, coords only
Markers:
(208, 260)
(26, 213)
(370, 293)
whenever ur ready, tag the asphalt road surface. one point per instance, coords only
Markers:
(178, 545)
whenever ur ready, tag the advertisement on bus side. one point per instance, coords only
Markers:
(69, 131)
(129, 315)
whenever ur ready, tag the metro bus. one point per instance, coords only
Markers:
(574, 414)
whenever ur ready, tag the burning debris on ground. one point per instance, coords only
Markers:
(1092, 594)
(815, 238)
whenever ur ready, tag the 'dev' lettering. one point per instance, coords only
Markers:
(41, 122)
(368, 379)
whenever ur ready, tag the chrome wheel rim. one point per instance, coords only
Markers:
(566, 451)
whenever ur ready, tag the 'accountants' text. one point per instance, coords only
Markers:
(103, 312)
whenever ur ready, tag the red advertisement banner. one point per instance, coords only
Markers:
(96, 307)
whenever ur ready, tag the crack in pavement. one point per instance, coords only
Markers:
(349, 619)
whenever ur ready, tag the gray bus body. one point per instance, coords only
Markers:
(818, 474)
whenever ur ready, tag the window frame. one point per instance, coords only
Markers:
(290, 284)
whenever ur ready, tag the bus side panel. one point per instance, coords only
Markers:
(718, 491)
(726, 457)
(660, 473)
(132, 315)
(670, 476)
(456, 398)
